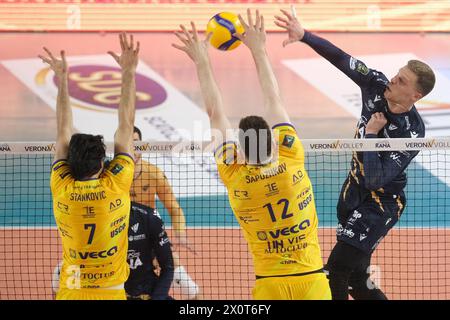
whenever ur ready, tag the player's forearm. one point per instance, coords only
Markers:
(127, 99)
(162, 287)
(177, 217)
(63, 109)
(209, 88)
(267, 79)
(379, 171)
(329, 51)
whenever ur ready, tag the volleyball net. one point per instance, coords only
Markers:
(410, 263)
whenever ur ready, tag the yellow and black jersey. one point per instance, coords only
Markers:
(92, 219)
(274, 204)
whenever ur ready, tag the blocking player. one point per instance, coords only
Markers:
(269, 191)
(91, 203)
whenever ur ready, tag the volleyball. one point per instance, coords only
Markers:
(222, 26)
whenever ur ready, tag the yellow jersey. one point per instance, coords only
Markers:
(92, 219)
(274, 205)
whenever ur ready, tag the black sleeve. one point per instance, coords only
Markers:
(381, 170)
(353, 68)
(163, 252)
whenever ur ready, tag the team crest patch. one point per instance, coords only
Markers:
(288, 141)
(362, 68)
(116, 169)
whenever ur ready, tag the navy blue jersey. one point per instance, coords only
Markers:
(147, 239)
(384, 171)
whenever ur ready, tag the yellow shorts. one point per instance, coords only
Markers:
(308, 287)
(91, 294)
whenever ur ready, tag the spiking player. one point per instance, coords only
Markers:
(372, 197)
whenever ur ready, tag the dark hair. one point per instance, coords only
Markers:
(257, 128)
(86, 154)
(425, 76)
(138, 131)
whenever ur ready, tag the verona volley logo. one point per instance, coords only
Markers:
(98, 87)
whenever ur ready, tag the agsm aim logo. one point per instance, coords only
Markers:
(98, 87)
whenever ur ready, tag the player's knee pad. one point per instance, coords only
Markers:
(184, 283)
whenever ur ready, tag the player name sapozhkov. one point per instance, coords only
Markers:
(269, 173)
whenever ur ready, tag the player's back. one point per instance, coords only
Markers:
(274, 205)
(92, 218)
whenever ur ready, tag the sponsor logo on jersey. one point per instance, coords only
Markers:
(303, 204)
(137, 237)
(93, 254)
(135, 227)
(297, 177)
(116, 169)
(262, 235)
(286, 231)
(248, 219)
(396, 157)
(288, 141)
(118, 230)
(352, 63)
(392, 127)
(408, 124)
(356, 215)
(362, 68)
(241, 194)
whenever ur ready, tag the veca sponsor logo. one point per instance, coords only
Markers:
(93, 254)
(287, 231)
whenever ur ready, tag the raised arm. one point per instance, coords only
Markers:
(167, 197)
(64, 120)
(353, 68)
(128, 60)
(254, 37)
(197, 50)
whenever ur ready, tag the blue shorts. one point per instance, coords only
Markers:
(365, 217)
